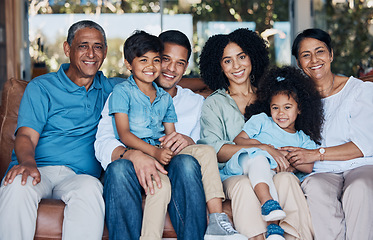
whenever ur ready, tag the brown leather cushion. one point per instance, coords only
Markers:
(11, 97)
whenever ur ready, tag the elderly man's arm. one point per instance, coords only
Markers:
(25, 144)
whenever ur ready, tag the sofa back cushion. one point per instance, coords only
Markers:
(11, 98)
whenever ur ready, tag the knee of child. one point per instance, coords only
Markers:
(165, 190)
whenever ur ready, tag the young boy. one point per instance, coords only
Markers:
(142, 113)
(144, 98)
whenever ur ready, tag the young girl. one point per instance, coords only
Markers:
(142, 113)
(290, 114)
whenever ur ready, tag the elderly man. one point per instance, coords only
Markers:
(54, 154)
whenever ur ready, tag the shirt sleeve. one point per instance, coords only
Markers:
(33, 109)
(212, 126)
(170, 113)
(105, 142)
(254, 125)
(119, 100)
(307, 142)
(361, 123)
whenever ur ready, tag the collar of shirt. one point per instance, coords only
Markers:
(72, 87)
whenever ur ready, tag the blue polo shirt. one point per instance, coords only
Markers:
(145, 118)
(66, 116)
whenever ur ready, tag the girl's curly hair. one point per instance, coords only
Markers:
(293, 82)
(250, 42)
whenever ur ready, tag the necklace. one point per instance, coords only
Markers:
(329, 89)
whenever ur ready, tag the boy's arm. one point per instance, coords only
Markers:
(128, 138)
(169, 127)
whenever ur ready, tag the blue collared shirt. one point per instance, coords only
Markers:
(66, 116)
(145, 118)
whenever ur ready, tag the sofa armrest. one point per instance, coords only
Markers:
(11, 98)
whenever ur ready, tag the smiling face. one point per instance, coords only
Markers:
(87, 53)
(314, 58)
(174, 65)
(236, 64)
(284, 111)
(145, 68)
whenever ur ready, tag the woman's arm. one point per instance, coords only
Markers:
(344, 152)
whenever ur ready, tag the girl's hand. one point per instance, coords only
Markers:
(298, 156)
(163, 155)
(282, 163)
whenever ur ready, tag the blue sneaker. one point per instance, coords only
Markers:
(272, 211)
(275, 232)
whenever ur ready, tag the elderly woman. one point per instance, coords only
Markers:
(232, 65)
(340, 191)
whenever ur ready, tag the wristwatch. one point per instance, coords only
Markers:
(322, 152)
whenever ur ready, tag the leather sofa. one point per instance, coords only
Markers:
(50, 212)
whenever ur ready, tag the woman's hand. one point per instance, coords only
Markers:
(282, 163)
(298, 156)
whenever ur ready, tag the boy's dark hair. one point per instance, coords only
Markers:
(293, 82)
(177, 37)
(315, 33)
(139, 43)
(250, 42)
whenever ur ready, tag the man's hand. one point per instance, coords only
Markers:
(164, 155)
(176, 141)
(25, 169)
(146, 169)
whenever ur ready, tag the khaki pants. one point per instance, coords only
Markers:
(82, 194)
(156, 205)
(341, 203)
(246, 208)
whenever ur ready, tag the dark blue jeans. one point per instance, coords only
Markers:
(123, 201)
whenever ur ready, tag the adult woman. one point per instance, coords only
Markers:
(232, 65)
(340, 193)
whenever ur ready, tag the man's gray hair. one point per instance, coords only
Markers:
(84, 24)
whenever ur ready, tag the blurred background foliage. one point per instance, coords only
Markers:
(349, 26)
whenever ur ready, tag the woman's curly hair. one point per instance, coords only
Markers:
(250, 42)
(292, 82)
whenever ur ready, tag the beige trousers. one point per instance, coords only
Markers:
(156, 205)
(206, 157)
(84, 211)
(155, 210)
(341, 205)
(246, 208)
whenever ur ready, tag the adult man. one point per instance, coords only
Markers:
(54, 154)
(124, 179)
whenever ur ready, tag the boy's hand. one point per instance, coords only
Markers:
(164, 155)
